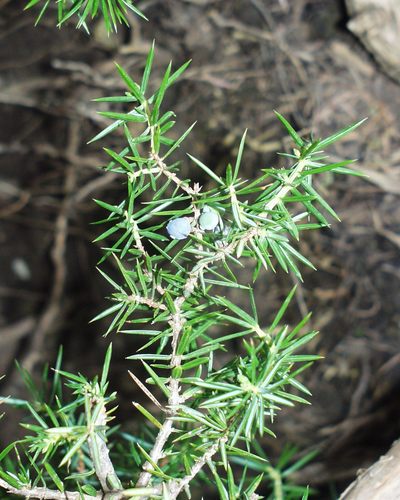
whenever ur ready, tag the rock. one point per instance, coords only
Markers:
(377, 24)
(380, 482)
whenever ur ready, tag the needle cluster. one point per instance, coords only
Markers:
(113, 12)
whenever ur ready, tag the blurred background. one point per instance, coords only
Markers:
(322, 64)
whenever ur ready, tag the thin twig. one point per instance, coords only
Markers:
(53, 308)
(287, 186)
(176, 487)
(172, 176)
(176, 322)
(153, 304)
(15, 332)
(191, 191)
(41, 493)
(99, 452)
(46, 494)
(155, 453)
(94, 186)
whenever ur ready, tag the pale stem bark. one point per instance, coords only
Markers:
(176, 487)
(286, 188)
(100, 454)
(46, 494)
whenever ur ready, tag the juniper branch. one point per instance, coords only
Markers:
(99, 451)
(177, 321)
(207, 405)
(47, 494)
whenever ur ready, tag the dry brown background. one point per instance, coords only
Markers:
(249, 57)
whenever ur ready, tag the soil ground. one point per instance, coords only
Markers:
(249, 57)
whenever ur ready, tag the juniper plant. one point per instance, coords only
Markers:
(113, 12)
(178, 247)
